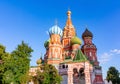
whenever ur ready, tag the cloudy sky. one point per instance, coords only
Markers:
(29, 20)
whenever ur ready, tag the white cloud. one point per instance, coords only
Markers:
(107, 56)
(116, 51)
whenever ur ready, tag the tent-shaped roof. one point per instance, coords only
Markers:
(79, 56)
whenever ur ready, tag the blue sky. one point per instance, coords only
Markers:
(29, 20)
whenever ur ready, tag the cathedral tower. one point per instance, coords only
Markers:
(89, 49)
(68, 32)
(55, 46)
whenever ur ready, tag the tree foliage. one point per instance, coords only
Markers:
(113, 75)
(14, 67)
(2, 53)
(5, 66)
(21, 59)
(48, 75)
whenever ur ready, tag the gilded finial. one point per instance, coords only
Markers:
(69, 13)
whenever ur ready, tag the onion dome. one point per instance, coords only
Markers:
(87, 33)
(39, 61)
(46, 44)
(76, 40)
(55, 30)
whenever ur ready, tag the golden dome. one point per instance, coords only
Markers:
(69, 12)
(39, 61)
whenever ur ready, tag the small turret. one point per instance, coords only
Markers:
(46, 44)
(39, 61)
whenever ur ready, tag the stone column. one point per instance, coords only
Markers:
(70, 74)
(87, 73)
(70, 78)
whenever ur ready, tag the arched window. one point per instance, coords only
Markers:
(81, 72)
(63, 66)
(75, 76)
(75, 72)
(66, 66)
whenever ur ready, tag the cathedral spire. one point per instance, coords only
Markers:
(68, 32)
(69, 22)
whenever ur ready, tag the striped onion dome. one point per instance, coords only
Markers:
(55, 30)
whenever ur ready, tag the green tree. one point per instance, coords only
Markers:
(2, 53)
(113, 75)
(21, 63)
(6, 74)
(48, 75)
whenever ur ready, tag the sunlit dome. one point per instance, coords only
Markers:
(76, 40)
(55, 30)
(39, 61)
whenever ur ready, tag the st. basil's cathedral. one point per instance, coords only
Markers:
(75, 61)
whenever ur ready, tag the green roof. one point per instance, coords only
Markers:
(68, 61)
(79, 57)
